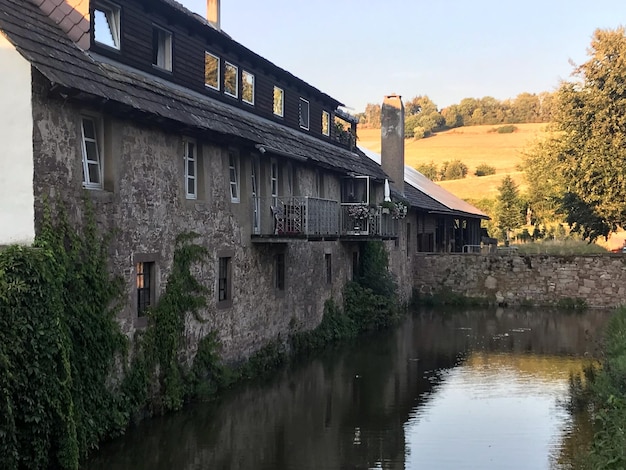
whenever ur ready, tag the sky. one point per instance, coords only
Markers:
(358, 51)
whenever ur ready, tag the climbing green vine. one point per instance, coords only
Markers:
(67, 379)
(158, 377)
(58, 344)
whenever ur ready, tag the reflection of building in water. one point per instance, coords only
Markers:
(349, 408)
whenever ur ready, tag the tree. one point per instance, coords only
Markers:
(587, 146)
(509, 213)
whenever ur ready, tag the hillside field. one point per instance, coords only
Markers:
(472, 145)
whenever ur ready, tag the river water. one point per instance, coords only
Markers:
(470, 389)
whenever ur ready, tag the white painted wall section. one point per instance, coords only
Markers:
(17, 212)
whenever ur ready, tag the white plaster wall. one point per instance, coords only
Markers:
(17, 213)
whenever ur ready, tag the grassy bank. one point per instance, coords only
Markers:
(602, 389)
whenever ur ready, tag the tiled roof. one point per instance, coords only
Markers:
(51, 52)
(69, 19)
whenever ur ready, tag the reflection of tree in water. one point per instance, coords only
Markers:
(347, 408)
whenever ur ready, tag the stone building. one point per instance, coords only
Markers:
(167, 125)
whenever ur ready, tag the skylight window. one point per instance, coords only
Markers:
(106, 25)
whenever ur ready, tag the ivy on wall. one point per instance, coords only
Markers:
(67, 377)
(66, 380)
(58, 344)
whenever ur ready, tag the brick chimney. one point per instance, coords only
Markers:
(392, 140)
(213, 13)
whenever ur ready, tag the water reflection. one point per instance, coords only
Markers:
(470, 389)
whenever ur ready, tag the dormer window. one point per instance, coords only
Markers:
(211, 71)
(304, 114)
(161, 48)
(106, 24)
(247, 87)
(231, 80)
(326, 123)
(279, 102)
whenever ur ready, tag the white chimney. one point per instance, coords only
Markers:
(392, 140)
(213, 13)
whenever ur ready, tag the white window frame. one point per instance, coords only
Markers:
(219, 67)
(236, 69)
(112, 15)
(191, 160)
(254, 189)
(274, 181)
(245, 74)
(233, 176)
(326, 116)
(304, 123)
(282, 102)
(164, 49)
(87, 161)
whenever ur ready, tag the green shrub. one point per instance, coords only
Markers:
(454, 170)
(429, 170)
(508, 129)
(484, 170)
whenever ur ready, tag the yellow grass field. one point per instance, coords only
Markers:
(472, 145)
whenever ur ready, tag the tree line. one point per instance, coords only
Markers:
(423, 117)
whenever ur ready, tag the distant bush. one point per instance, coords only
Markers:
(454, 170)
(420, 133)
(508, 129)
(483, 170)
(429, 170)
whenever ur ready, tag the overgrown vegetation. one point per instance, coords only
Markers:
(369, 303)
(67, 378)
(58, 346)
(603, 390)
(61, 348)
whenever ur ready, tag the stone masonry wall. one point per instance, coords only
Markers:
(599, 280)
(143, 204)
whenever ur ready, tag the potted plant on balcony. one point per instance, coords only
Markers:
(387, 206)
(358, 213)
(400, 210)
(397, 209)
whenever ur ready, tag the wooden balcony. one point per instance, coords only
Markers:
(301, 217)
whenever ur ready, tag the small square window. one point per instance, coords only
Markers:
(304, 114)
(231, 80)
(211, 71)
(279, 271)
(326, 123)
(191, 169)
(92, 153)
(279, 103)
(161, 48)
(146, 291)
(106, 24)
(224, 280)
(233, 171)
(247, 87)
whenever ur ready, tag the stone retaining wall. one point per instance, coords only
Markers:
(512, 279)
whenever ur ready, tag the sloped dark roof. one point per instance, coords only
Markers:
(57, 58)
(425, 195)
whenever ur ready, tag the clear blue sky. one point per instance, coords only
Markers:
(357, 51)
